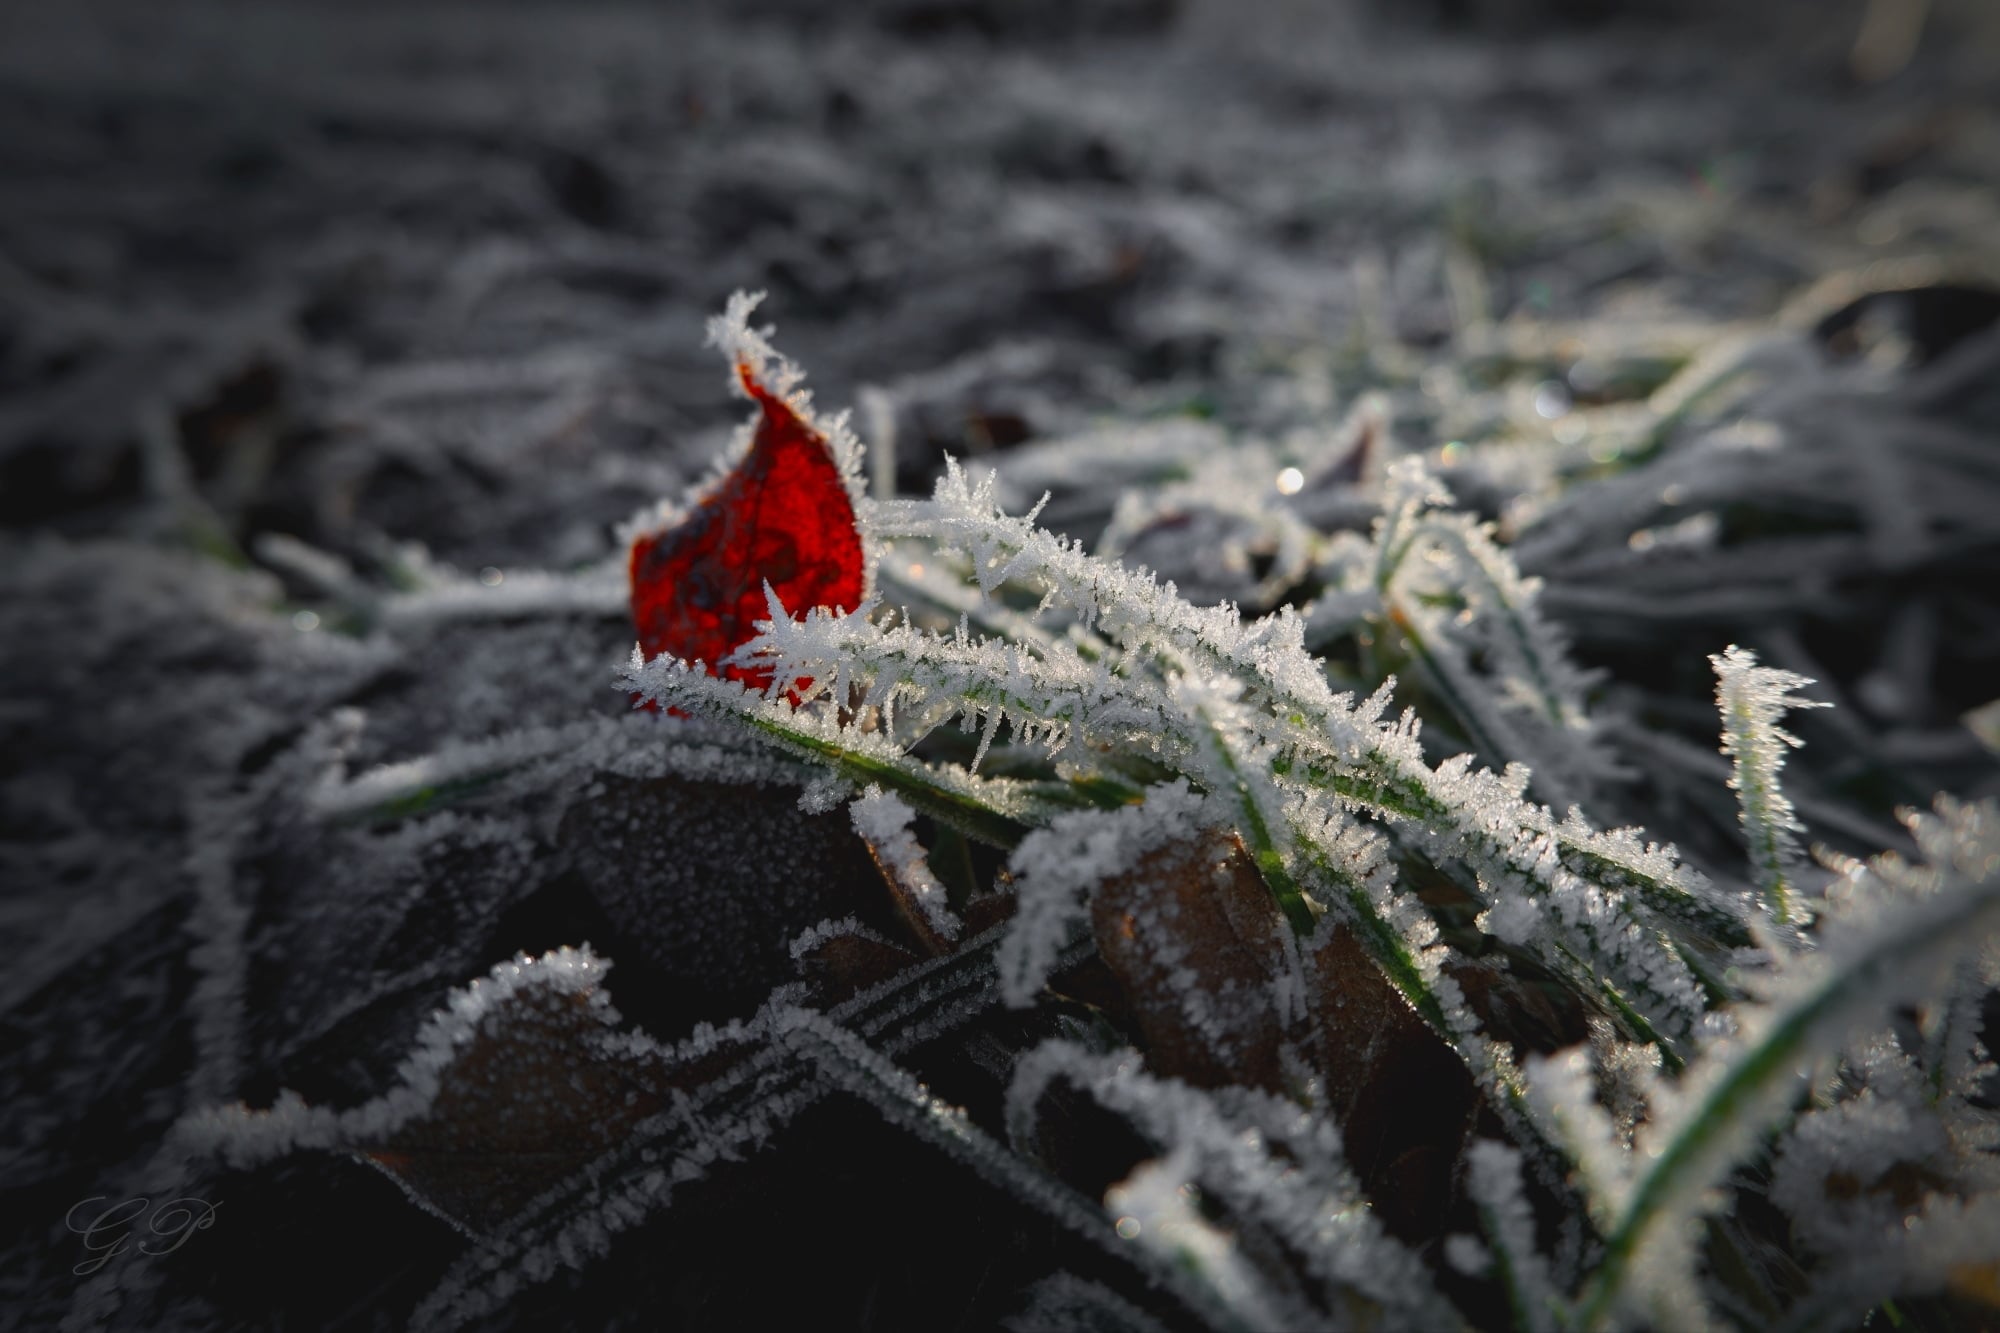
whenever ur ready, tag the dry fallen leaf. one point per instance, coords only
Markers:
(533, 1095)
(1195, 941)
(1191, 934)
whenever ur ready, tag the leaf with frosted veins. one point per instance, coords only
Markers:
(844, 957)
(516, 1084)
(534, 1094)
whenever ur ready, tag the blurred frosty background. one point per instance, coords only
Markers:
(356, 253)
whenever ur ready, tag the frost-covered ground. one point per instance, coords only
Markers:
(337, 341)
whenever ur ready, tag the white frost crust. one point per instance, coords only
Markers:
(1751, 699)
(1595, 892)
(747, 345)
(1893, 933)
(446, 596)
(1155, 1210)
(883, 821)
(246, 1138)
(1055, 868)
(1265, 1158)
(629, 746)
(813, 733)
(1494, 1181)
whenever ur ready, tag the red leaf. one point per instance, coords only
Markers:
(782, 515)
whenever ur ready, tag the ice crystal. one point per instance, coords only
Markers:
(1055, 868)
(1752, 699)
(1269, 1161)
(884, 822)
